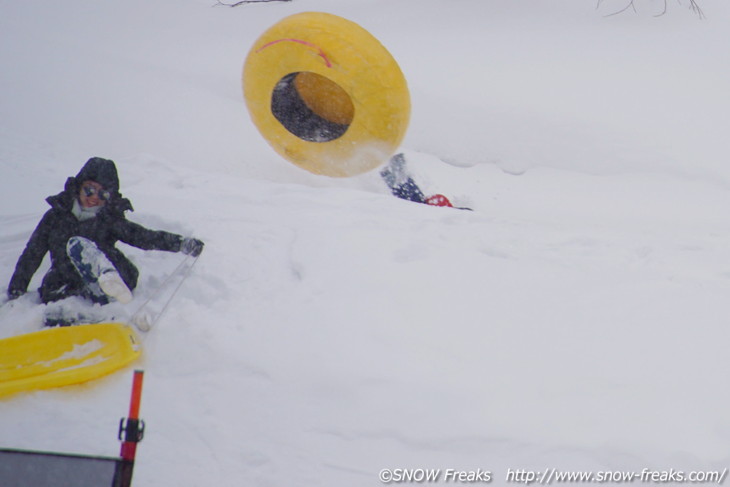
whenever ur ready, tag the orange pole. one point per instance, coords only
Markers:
(131, 437)
(133, 428)
(136, 394)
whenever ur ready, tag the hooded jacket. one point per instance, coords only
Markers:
(109, 226)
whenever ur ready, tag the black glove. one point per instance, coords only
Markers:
(191, 246)
(15, 293)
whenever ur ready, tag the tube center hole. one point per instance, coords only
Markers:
(312, 107)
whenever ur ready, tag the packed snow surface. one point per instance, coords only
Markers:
(576, 319)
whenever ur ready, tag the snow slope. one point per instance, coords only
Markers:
(575, 320)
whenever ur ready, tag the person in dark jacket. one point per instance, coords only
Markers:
(402, 185)
(90, 209)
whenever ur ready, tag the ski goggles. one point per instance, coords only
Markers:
(90, 191)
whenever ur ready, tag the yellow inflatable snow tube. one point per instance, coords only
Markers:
(326, 94)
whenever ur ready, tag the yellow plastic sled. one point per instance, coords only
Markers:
(57, 357)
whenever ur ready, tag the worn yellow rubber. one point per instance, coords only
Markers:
(343, 75)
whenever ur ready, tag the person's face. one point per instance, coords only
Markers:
(90, 194)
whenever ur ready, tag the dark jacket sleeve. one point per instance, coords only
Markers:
(138, 236)
(32, 256)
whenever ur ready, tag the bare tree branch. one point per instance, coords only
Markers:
(693, 5)
(696, 9)
(629, 5)
(241, 2)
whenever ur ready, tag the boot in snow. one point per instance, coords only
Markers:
(99, 275)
